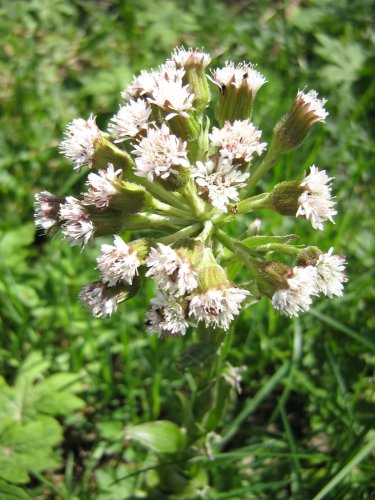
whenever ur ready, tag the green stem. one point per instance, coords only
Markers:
(267, 163)
(207, 231)
(183, 233)
(197, 204)
(168, 209)
(240, 250)
(279, 247)
(154, 188)
(253, 203)
(144, 221)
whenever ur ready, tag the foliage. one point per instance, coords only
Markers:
(303, 420)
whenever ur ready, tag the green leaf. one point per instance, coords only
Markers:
(161, 436)
(25, 448)
(11, 492)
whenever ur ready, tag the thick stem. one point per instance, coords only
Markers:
(168, 209)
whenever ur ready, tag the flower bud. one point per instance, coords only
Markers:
(194, 62)
(271, 277)
(294, 126)
(238, 87)
(284, 197)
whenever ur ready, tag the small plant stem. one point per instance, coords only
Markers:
(279, 247)
(197, 204)
(253, 203)
(267, 163)
(207, 231)
(238, 249)
(183, 233)
(168, 209)
(152, 221)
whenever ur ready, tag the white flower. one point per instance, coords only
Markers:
(166, 317)
(159, 154)
(238, 140)
(314, 106)
(99, 299)
(297, 297)
(219, 180)
(217, 308)
(102, 187)
(242, 74)
(77, 227)
(118, 263)
(172, 96)
(144, 84)
(79, 143)
(130, 120)
(316, 203)
(47, 207)
(171, 271)
(184, 57)
(331, 276)
(233, 376)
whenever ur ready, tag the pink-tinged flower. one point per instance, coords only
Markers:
(297, 297)
(47, 207)
(316, 203)
(131, 119)
(99, 299)
(311, 105)
(217, 307)
(166, 316)
(190, 57)
(118, 263)
(219, 180)
(171, 271)
(160, 154)
(242, 75)
(239, 140)
(102, 187)
(77, 227)
(330, 274)
(79, 143)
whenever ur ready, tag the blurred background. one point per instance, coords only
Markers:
(64, 59)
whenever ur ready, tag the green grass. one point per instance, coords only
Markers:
(302, 426)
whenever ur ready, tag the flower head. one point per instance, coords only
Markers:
(102, 187)
(99, 299)
(190, 57)
(217, 307)
(219, 180)
(311, 105)
(316, 203)
(160, 154)
(172, 96)
(166, 316)
(47, 207)
(242, 75)
(79, 143)
(330, 274)
(118, 263)
(296, 297)
(171, 271)
(130, 120)
(238, 140)
(77, 226)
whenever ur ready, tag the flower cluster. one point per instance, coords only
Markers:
(162, 175)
